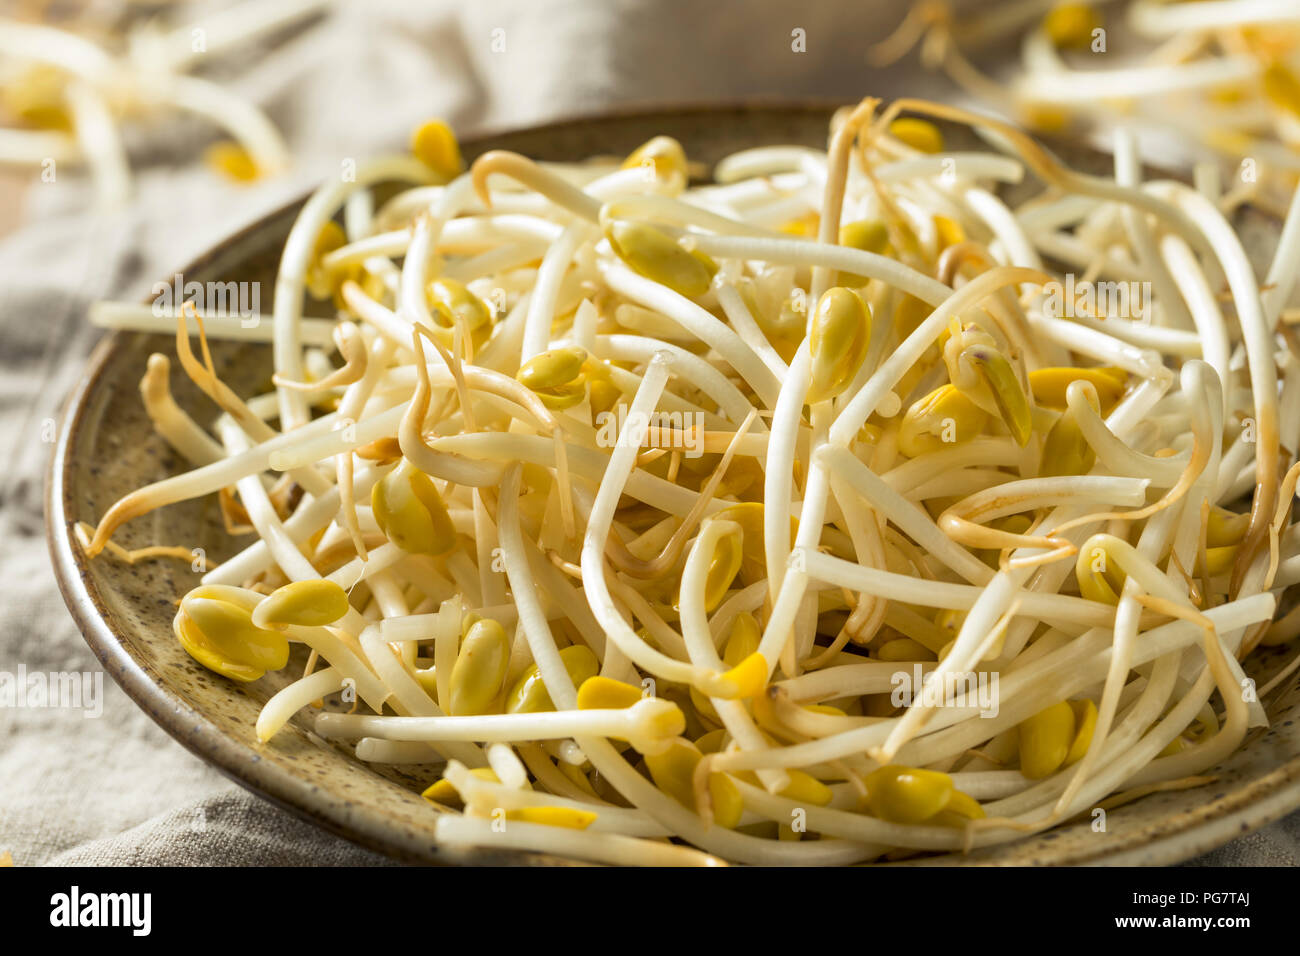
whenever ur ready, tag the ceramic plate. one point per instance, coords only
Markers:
(106, 448)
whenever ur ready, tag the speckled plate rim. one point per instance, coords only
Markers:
(1191, 833)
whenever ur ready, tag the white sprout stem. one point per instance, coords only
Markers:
(487, 728)
(733, 305)
(955, 164)
(541, 307)
(537, 630)
(370, 750)
(169, 420)
(910, 519)
(466, 232)
(1255, 327)
(290, 279)
(593, 845)
(262, 514)
(1155, 19)
(636, 348)
(1069, 87)
(428, 229)
(778, 478)
(1280, 280)
(245, 122)
(1203, 305)
(21, 147)
(277, 711)
(599, 524)
(699, 644)
(1055, 608)
(796, 252)
(698, 322)
(313, 515)
(1155, 642)
(229, 326)
(489, 795)
(67, 51)
(1128, 172)
(99, 142)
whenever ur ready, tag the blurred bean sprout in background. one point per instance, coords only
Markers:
(68, 94)
(1222, 75)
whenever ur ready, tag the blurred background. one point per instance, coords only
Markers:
(134, 134)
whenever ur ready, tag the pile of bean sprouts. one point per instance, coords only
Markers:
(68, 96)
(627, 507)
(1223, 74)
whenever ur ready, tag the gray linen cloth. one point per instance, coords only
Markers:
(117, 790)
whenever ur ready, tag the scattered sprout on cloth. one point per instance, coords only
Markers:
(68, 96)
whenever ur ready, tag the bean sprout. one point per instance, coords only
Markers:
(806, 541)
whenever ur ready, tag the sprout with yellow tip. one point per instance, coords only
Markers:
(215, 626)
(411, 512)
(839, 335)
(310, 603)
(556, 375)
(434, 144)
(656, 255)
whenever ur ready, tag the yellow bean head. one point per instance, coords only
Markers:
(743, 639)
(1100, 577)
(605, 693)
(837, 342)
(570, 818)
(941, 418)
(553, 368)
(868, 235)
(410, 511)
(724, 565)
(480, 668)
(906, 794)
(1224, 527)
(673, 771)
(232, 160)
(1049, 385)
(1065, 450)
(434, 144)
(662, 154)
(312, 603)
(1045, 740)
(221, 636)
(656, 255)
(454, 304)
(805, 788)
(1008, 395)
(961, 809)
(728, 805)
(1070, 25)
(920, 134)
(529, 693)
